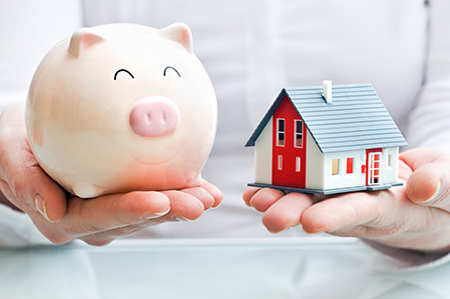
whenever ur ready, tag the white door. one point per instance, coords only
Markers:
(374, 168)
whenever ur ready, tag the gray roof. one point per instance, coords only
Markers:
(356, 119)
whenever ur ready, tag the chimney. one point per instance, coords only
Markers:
(327, 91)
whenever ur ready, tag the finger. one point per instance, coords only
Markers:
(106, 237)
(373, 215)
(416, 158)
(184, 206)
(202, 195)
(429, 184)
(265, 198)
(404, 171)
(248, 194)
(424, 184)
(88, 216)
(100, 239)
(286, 212)
(214, 191)
(341, 213)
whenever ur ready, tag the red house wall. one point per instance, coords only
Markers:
(288, 175)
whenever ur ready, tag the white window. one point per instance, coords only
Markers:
(280, 162)
(298, 136)
(280, 132)
(335, 167)
(297, 164)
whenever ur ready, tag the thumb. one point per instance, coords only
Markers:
(425, 185)
(429, 184)
(32, 190)
(44, 195)
(25, 184)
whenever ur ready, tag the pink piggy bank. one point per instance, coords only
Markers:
(122, 107)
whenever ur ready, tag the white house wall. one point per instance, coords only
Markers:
(263, 155)
(389, 173)
(343, 179)
(314, 164)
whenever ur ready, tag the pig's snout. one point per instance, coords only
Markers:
(154, 116)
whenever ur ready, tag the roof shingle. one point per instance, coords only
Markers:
(356, 119)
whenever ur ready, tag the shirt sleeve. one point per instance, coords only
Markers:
(27, 31)
(429, 122)
(429, 126)
(17, 229)
(390, 259)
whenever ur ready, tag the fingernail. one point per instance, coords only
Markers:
(181, 218)
(40, 206)
(156, 215)
(278, 232)
(435, 194)
(309, 233)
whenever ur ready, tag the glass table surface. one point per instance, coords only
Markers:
(323, 267)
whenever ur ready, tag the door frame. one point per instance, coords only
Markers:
(373, 166)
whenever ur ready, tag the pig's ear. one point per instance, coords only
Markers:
(82, 39)
(180, 33)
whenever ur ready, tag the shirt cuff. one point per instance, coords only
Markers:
(17, 230)
(390, 259)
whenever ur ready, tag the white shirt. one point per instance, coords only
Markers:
(252, 49)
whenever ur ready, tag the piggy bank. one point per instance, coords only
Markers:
(122, 107)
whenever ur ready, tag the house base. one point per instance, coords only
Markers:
(328, 191)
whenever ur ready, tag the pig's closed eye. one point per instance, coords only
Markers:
(123, 70)
(171, 68)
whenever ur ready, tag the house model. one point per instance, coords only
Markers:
(325, 140)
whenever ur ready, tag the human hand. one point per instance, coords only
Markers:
(414, 216)
(97, 221)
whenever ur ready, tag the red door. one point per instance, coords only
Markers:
(373, 165)
(289, 147)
